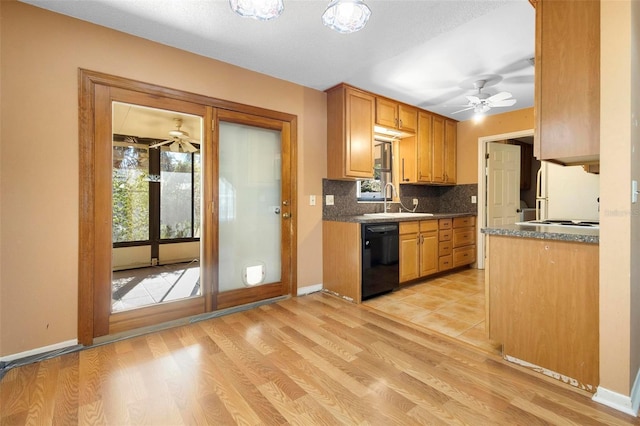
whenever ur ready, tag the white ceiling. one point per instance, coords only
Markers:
(423, 52)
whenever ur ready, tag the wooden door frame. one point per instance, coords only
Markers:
(92, 257)
(482, 187)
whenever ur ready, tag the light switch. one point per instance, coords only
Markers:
(329, 200)
(312, 200)
(474, 199)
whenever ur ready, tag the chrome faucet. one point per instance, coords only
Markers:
(384, 194)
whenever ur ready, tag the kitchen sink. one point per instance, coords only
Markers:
(398, 215)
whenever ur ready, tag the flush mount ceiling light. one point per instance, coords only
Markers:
(346, 16)
(262, 10)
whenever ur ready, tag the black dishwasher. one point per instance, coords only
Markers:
(380, 268)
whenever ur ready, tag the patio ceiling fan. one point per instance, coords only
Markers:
(483, 102)
(180, 140)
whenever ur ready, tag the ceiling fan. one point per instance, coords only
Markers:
(483, 102)
(180, 140)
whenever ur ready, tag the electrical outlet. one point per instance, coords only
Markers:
(329, 200)
(474, 199)
(415, 201)
(312, 200)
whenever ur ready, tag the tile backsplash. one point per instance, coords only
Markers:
(431, 199)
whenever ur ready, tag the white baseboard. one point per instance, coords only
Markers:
(39, 351)
(309, 289)
(617, 401)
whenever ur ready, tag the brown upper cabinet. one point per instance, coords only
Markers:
(350, 115)
(436, 149)
(450, 154)
(426, 152)
(394, 115)
(567, 81)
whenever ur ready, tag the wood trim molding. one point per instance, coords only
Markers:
(92, 262)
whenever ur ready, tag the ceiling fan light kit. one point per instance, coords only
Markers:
(262, 10)
(346, 16)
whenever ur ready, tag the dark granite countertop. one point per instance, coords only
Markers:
(580, 235)
(366, 218)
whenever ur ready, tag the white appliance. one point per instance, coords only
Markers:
(567, 193)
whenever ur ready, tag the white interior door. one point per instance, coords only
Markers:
(503, 183)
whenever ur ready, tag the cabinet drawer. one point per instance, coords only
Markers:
(409, 228)
(444, 223)
(463, 237)
(445, 248)
(445, 262)
(445, 235)
(461, 222)
(428, 225)
(464, 256)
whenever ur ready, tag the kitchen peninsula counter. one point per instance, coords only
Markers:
(544, 232)
(541, 286)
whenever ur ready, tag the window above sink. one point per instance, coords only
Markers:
(372, 189)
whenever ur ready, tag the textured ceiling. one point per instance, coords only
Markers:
(424, 52)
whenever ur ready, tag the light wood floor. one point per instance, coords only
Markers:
(453, 304)
(311, 360)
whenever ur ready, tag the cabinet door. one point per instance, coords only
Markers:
(567, 86)
(359, 134)
(406, 164)
(428, 253)
(407, 118)
(424, 143)
(409, 256)
(438, 168)
(386, 113)
(450, 159)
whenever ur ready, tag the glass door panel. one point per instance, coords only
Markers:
(156, 205)
(249, 206)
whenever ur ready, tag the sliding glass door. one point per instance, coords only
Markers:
(186, 205)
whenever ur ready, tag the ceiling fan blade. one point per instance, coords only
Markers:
(499, 97)
(186, 146)
(156, 145)
(465, 109)
(505, 103)
(175, 147)
(473, 99)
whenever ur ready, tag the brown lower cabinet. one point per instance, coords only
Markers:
(418, 249)
(542, 304)
(464, 240)
(427, 247)
(445, 247)
(431, 246)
